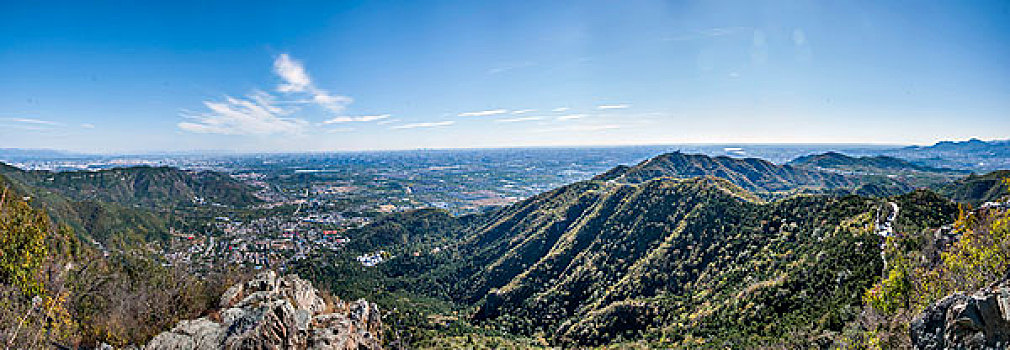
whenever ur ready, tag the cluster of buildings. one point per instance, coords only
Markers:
(373, 259)
(271, 242)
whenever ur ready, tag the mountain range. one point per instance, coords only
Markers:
(596, 262)
(974, 154)
(675, 249)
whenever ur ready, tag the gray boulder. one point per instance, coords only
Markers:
(271, 312)
(960, 321)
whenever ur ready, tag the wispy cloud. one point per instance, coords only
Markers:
(35, 121)
(510, 66)
(571, 116)
(254, 115)
(338, 130)
(483, 113)
(515, 120)
(296, 80)
(523, 111)
(262, 113)
(709, 33)
(362, 118)
(41, 125)
(560, 109)
(424, 125)
(612, 106)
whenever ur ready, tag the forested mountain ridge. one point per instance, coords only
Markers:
(977, 189)
(123, 206)
(600, 263)
(841, 162)
(104, 222)
(144, 186)
(756, 175)
(667, 260)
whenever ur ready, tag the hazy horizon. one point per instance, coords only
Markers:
(475, 148)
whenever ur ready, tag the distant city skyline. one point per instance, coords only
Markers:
(109, 77)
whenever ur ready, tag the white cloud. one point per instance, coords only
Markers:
(35, 121)
(88, 126)
(523, 111)
(571, 116)
(363, 118)
(511, 66)
(514, 120)
(30, 124)
(293, 73)
(334, 103)
(612, 106)
(483, 113)
(296, 80)
(424, 125)
(255, 115)
(560, 109)
(259, 113)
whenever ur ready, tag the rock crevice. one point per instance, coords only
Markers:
(271, 312)
(960, 321)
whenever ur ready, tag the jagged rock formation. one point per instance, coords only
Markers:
(959, 321)
(271, 312)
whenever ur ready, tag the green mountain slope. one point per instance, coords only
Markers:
(652, 253)
(879, 169)
(666, 261)
(978, 189)
(123, 206)
(876, 164)
(592, 263)
(150, 187)
(108, 223)
(752, 174)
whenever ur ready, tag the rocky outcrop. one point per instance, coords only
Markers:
(271, 312)
(959, 321)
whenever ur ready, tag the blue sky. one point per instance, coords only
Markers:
(315, 76)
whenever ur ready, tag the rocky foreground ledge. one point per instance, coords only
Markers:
(959, 321)
(271, 312)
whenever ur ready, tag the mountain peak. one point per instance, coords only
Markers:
(752, 174)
